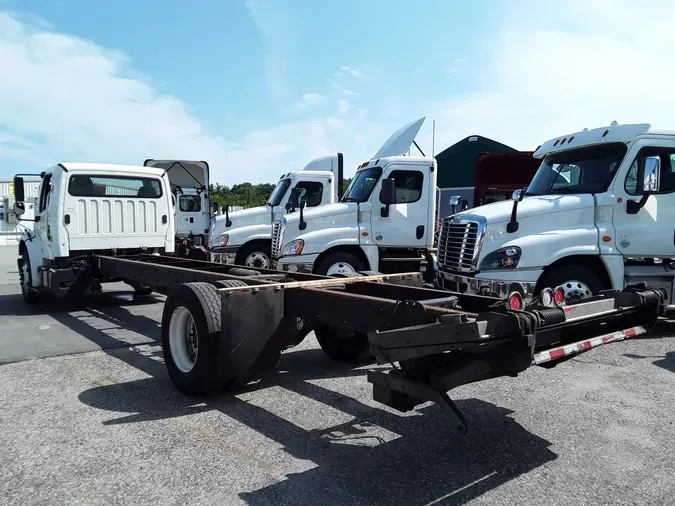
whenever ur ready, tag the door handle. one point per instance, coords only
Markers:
(420, 231)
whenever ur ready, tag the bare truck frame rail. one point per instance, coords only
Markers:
(233, 323)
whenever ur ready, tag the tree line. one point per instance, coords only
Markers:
(246, 194)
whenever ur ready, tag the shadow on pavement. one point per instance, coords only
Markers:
(418, 460)
(663, 329)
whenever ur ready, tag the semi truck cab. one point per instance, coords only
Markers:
(597, 215)
(244, 237)
(384, 222)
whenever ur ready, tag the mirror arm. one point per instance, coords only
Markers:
(228, 223)
(303, 224)
(512, 226)
(634, 206)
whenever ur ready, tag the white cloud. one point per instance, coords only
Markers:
(343, 107)
(352, 71)
(309, 100)
(609, 63)
(459, 60)
(341, 88)
(544, 81)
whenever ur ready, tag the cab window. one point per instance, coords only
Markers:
(408, 184)
(634, 179)
(311, 192)
(190, 203)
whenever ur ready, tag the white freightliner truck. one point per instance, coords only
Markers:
(244, 237)
(86, 208)
(222, 325)
(384, 222)
(598, 215)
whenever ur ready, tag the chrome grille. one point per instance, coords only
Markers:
(277, 238)
(458, 245)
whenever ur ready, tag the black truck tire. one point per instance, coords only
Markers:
(29, 296)
(343, 345)
(259, 255)
(340, 257)
(199, 302)
(578, 281)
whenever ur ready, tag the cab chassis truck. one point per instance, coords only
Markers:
(222, 325)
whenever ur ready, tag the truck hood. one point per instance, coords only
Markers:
(244, 217)
(499, 212)
(183, 173)
(321, 212)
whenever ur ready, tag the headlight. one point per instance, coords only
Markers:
(293, 247)
(503, 258)
(221, 240)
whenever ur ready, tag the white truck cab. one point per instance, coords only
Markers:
(384, 222)
(86, 208)
(597, 215)
(244, 237)
(189, 181)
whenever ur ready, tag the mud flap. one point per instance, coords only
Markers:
(252, 329)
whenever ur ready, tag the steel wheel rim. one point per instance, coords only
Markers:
(183, 339)
(258, 259)
(340, 268)
(574, 290)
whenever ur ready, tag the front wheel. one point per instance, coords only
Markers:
(257, 255)
(577, 282)
(26, 281)
(340, 262)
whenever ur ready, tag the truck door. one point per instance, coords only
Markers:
(43, 214)
(313, 191)
(189, 214)
(408, 222)
(649, 232)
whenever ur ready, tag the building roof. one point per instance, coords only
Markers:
(457, 164)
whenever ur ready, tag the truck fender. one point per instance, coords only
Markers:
(34, 251)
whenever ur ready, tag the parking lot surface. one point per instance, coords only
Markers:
(89, 416)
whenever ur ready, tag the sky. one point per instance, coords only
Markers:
(260, 87)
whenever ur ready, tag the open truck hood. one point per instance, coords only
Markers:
(400, 141)
(183, 173)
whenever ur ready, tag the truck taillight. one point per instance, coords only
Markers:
(515, 301)
(559, 296)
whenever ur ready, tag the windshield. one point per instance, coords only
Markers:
(362, 185)
(584, 170)
(278, 192)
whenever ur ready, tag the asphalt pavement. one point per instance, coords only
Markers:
(89, 416)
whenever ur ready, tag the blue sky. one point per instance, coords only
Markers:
(259, 87)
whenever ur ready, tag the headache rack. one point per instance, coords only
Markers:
(431, 340)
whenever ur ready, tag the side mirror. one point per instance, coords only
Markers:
(517, 195)
(454, 202)
(19, 208)
(651, 182)
(388, 192)
(652, 174)
(214, 206)
(19, 194)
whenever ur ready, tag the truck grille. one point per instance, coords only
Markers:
(277, 238)
(458, 245)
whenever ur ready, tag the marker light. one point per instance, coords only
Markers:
(546, 297)
(515, 301)
(559, 296)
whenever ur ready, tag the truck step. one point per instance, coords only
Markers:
(571, 349)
